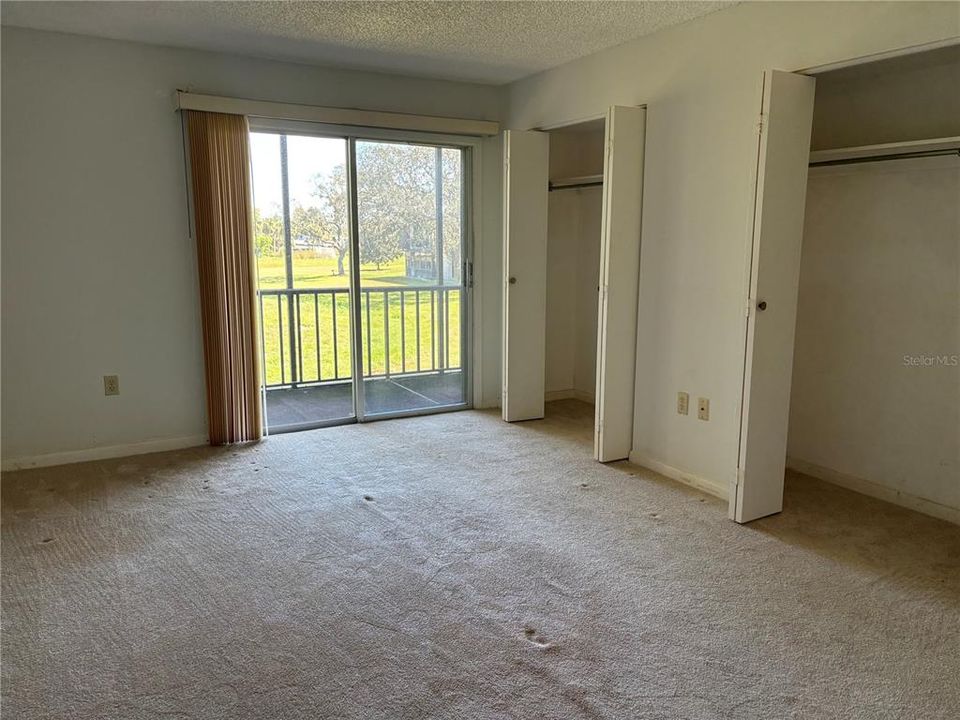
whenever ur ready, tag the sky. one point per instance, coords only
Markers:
(306, 156)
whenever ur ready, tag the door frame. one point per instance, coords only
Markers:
(471, 213)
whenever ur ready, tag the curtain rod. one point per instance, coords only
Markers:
(884, 158)
(335, 116)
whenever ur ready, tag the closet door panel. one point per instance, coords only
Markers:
(619, 282)
(526, 167)
(783, 157)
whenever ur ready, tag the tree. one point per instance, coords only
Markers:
(327, 223)
(452, 212)
(396, 193)
(396, 188)
(268, 232)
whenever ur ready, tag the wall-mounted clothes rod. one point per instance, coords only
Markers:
(575, 182)
(553, 187)
(884, 158)
(931, 147)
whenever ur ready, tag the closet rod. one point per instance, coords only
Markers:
(551, 187)
(884, 158)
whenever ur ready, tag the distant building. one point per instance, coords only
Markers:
(423, 266)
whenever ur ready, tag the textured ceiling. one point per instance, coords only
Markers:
(490, 42)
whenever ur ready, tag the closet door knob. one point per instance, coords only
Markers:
(762, 305)
(513, 281)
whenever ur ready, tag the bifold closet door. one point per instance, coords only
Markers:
(783, 157)
(619, 282)
(525, 177)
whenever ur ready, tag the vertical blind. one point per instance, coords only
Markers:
(220, 177)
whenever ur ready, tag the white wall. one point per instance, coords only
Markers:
(98, 271)
(588, 276)
(879, 289)
(573, 267)
(701, 84)
(573, 270)
(905, 98)
(563, 239)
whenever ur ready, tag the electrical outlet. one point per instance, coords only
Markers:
(683, 403)
(111, 385)
(703, 408)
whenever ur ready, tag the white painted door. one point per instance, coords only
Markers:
(525, 178)
(771, 306)
(619, 282)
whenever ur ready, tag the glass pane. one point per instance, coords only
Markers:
(411, 277)
(301, 222)
(452, 212)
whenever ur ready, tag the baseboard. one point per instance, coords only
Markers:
(103, 453)
(570, 394)
(711, 487)
(881, 492)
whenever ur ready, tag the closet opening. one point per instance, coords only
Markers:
(573, 199)
(852, 364)
(574, 209)
(876, 370)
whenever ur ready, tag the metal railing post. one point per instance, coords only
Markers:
(403, 334)
(336, 348)
(386, 333)
(418, 331)
(369, 338)
(316, 327)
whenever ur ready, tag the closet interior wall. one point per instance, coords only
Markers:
(876, 382)
(573, 264)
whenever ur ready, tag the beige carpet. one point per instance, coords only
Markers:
(455, 566)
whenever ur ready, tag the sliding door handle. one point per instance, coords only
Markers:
(512, 281)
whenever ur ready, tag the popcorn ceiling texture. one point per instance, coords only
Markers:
(458, 567)
(489, 42)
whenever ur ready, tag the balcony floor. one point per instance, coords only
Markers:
(290, 408)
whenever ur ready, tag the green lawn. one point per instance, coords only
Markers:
(320, 310)
(310, 271)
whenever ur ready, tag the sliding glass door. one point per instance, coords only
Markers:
(361, 256)
(410, 220)
(302, 242)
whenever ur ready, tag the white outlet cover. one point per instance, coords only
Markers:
(703, 408)
(111, 385)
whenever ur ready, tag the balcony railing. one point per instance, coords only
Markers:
(306, 333)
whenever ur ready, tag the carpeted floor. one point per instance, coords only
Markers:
(455, 566)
